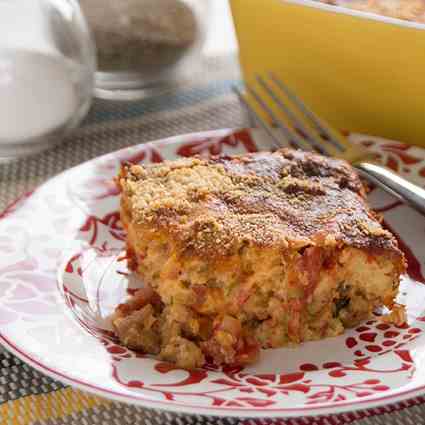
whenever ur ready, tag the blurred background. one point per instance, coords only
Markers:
(195, 98)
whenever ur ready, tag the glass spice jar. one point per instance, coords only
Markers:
(47, 65)
(143, 45)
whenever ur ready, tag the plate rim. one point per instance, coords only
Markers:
(182, 408)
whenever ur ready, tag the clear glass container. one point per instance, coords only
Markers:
(144, 46)
(47, 65)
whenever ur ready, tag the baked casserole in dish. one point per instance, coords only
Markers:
(358, 64)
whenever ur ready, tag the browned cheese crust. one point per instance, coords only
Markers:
(288, 199)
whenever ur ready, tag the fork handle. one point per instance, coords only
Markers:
(391, 182)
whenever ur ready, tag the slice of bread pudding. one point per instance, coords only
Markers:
(256, 251)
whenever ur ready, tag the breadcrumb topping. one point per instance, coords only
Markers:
(286, 198)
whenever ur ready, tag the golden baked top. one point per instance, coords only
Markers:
(287, 199)
(410, 10)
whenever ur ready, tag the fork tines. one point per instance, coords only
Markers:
(280, 106)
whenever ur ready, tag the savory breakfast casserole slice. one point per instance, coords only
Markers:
(249, 252)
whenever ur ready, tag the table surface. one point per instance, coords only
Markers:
(202, 102)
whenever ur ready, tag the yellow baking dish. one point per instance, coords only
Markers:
(362, 72)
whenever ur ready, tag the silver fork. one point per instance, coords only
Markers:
(299, 126)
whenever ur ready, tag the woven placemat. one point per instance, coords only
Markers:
(203, 103)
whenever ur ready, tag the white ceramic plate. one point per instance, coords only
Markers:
(60, 279)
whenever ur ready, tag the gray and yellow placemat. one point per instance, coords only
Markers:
(203, 103)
